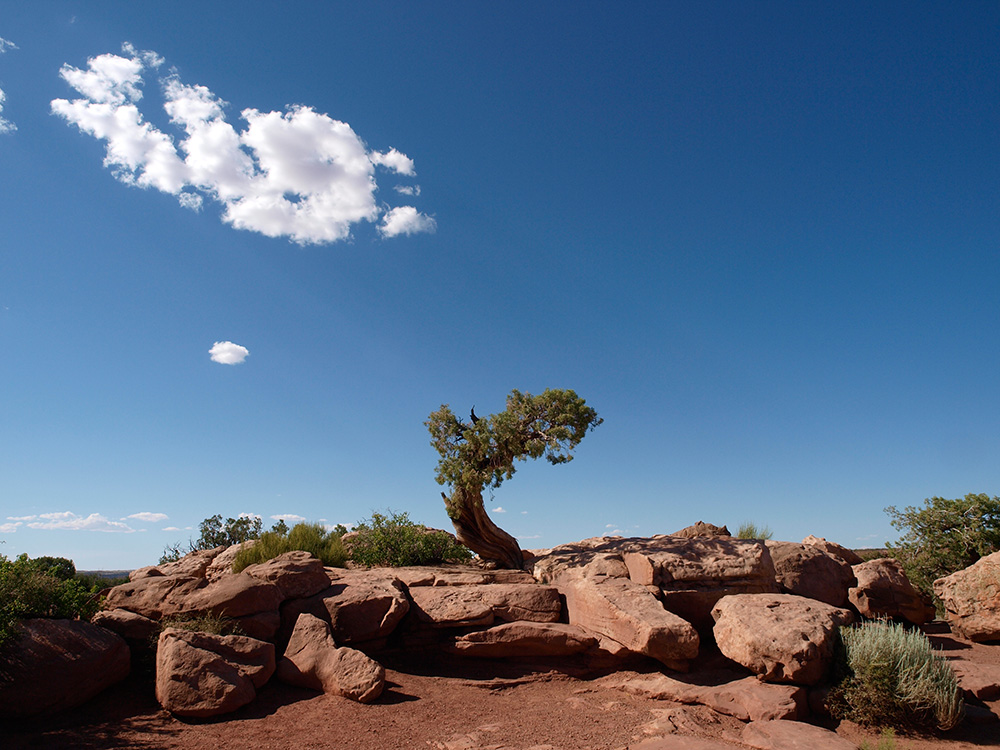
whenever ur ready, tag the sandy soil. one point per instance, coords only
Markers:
(474, 705)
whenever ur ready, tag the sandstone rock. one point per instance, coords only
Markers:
(57, 664)
(780, 637)
(792, 735)
(883, 590)
(680, 743)
(832, 548)
(458, 575)
(237, 595)
(359, 605)
(746, 698)
(222, 564)
(627, 613)
(297, 574)
(806, 570)
(200, 674)
(519, 639)
(471, 605)
(981, 681)
(192, 565)
(154, 597)
(128, 625)
(313, 660)
(700, 528)
(972, 599)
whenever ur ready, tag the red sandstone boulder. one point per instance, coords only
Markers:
(200, 674)
(971, 599)
(192, 565)
(832, 548)
(520, 639)
(788, 735)
(472, 605)
(312, 660)
(780, 637)
(806, 570)
(129, 625)
(297, 574)
(700, 528)
(883, 590)
(57, 664)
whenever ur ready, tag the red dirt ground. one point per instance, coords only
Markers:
(443, 706)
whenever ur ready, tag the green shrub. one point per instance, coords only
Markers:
(310, 537)
(391, 539)
(750, 530)
(29, 590)
(890, 676)
(944, 536)
(203, 623)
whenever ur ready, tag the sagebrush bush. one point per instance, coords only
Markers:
(750, 530)
(392, 539)
(31, 589)
(890, 676)
(310, 537)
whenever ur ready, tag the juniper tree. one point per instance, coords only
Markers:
(481, 453)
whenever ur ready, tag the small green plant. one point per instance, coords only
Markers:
(392, 539)
(886, 741)
(35, 588)
(310, 537)
(750, 530)
(890, 676)
(202, 623)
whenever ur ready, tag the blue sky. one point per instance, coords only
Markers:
(761, 239)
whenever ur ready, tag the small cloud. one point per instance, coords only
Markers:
(524, 512)
(610, 525)
(533, 536)
(394, 160)
(148, 517)
(288, 518)
(407, 189)
(228, 353)
(9, 528)
(67, 521)
(170, 528)
(406, 220)
(498, 509)
(251, 515)
(6, 126)
(21, 518)
(6, 45)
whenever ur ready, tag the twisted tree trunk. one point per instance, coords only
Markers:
(476, 530)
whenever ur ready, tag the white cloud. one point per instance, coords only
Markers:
(291, 518)
(6, 126)
(251, 515)
(9, 528)
(406, 220)
(498, 509)
(407, 189)
(298, 174)
(170, 528)
(148, 517)
(228, 353)
(21, 518)
(72, 522)
(6, 45)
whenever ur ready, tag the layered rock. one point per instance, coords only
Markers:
(201, 674)
(523, 639)
(883, 590)
(314, 661)
(785, 735)
(835, 550)
(474, 605)
(780, 637)
(806, 570)
(57, 664)
(971, 599)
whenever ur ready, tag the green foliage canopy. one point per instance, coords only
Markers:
(309, 537)
(945, 536)
(391, 539)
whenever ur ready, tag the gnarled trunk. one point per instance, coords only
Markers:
(476, 530)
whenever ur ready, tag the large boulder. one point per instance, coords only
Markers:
(201, 674)
(297, 574)
(791, 735)
(314, 661)
(700, 528)
(473, 605)
(883, 590)
(849, 556)
(130, 626)
(193, 565)
(971, 599)
(525, 639)
(359, 605)
(806, 570)
(779, 637)
(57, 664)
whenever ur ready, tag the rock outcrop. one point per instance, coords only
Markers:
(522, 639)
(57, 664)
(201, 675)
(806, 570)
(971, 599)
(883, 590)
(779, 637)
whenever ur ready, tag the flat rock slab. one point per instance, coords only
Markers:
(475, 605)
(58, 664)
(518, 639)
(679, 742)
(297, 574)
(792, 735)
(979, 680)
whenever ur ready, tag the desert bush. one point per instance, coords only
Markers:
(202, 623)
(310, 537)
(29, 589)
(944, 536)
(750, 530)
(392, 539)
(890, 676)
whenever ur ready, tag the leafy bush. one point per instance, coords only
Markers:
(944, 536)
(394, 540)
(750, 530)
(890, 676)
(214, 532)
(29, 589)
(311, 537)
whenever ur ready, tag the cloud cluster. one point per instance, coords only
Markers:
(6, 126)
(228, 353)
(66, 521)
(298, 174)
